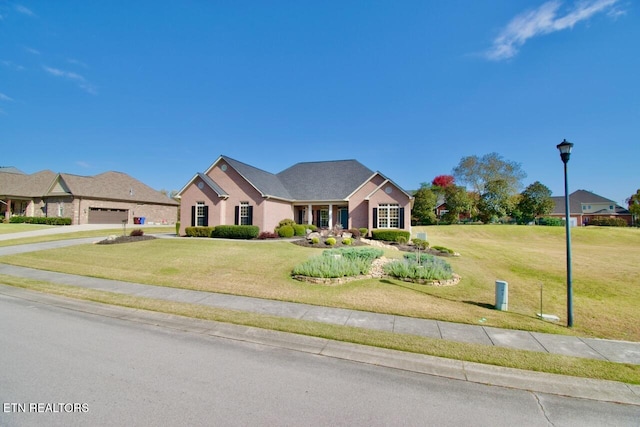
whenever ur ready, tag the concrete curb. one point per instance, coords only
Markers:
(608, 391)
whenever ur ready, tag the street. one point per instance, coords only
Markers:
(63, 367)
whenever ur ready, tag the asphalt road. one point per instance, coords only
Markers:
(119, 372)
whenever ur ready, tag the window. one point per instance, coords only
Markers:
(60, 209)
(389, 215)
(244, 214)
(324, 218)
(200, 214)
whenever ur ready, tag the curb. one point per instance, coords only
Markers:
(537, 382)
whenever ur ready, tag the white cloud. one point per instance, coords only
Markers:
(12, 65)
(77, 62)
(32, 50)
(83, 164)
(544, 20)
(23, 10)
(4, 97)
(69, 75)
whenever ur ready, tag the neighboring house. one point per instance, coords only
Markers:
(107, 198)
(326, 194)
(585, 205)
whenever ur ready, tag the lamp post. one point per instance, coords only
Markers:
(565, 152)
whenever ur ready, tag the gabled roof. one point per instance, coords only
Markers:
(580, 197)
(107, 185)
(268, 184)
(11, 169)
(23, 185)
(330, 180)
(212, 184)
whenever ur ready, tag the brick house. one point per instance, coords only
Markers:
(107, 198)
(585, 205)
(325, 194)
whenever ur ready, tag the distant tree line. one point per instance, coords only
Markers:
(493, 195)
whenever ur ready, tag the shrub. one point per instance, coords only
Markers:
(365, 253)
(346, 241)
(286, 221)
(363, 231)
(299, 230)
(311, 227)
(420, 243)
(551, 221)
(267, 235)
(401, 240)
(178, 228)
(136, 232)
(355, 233)
(430, 269)
(40, 220)
(286, 231)
(607, 222)
(236, 232)
(199, 231)
(330, 241)
(332, 266)
(389, 235)
(442, 249)
(315, 240)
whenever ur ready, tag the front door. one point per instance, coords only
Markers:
(343, 218)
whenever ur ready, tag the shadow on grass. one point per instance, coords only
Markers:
(480, 304)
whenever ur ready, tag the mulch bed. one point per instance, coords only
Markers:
(125, 239)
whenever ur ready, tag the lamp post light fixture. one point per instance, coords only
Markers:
(565, 152)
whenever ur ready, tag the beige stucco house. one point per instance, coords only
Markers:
(585, 205)
(325, 194)
(107, 198)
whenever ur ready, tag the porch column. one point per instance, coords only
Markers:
(309, 215)
(7, 212)
(330, 216)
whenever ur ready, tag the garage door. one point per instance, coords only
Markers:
(107, 216)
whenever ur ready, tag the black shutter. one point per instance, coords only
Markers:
(318, 218)
(193, 216)
(401, 218)
(250, 213)
(206, 216)
(375, 218)
(237, 215)
(300, 217)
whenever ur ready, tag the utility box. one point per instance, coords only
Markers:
(502, 295)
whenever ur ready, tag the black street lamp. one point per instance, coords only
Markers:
(565, 152)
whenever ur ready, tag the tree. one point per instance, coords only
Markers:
(634, 206)
(458, 202)
(443, 181)
(535, 201)
(424, 205)
(477, 172)
(496, 201)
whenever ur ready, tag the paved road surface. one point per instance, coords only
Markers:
(127, 373)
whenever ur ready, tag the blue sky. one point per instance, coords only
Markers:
(160, 89)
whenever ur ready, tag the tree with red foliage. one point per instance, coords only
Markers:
(443, 181)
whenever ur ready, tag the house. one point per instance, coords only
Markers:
(107, 198)
(585, 205)
(326, 194)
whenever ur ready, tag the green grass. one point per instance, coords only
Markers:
(606, 280)
(17, 228)
(519, 359)
(70, 235)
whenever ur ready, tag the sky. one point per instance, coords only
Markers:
(160, 89)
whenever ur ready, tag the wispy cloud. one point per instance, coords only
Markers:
(12, 65)
(77, 62)
(24, 10)
(75, 77)
(32, 50)
(83, 164)
(4, 97)
(547, 18)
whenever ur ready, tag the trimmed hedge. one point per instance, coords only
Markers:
(236, 231)
(551, 221)
(39, 220)
(607, 222)
(389, 235)
(286, 231)
(199, 231)
(300, 230)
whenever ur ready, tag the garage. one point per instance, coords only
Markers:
(108, 216)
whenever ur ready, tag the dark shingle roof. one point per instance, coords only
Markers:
(265, 182)
(212, 184)
(332, 180)
(577, 198)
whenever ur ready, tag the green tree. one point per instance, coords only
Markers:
(458, 202)
(496, 201)
(535, 201)
(634, 206)
(477, 172)
(424, 205)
